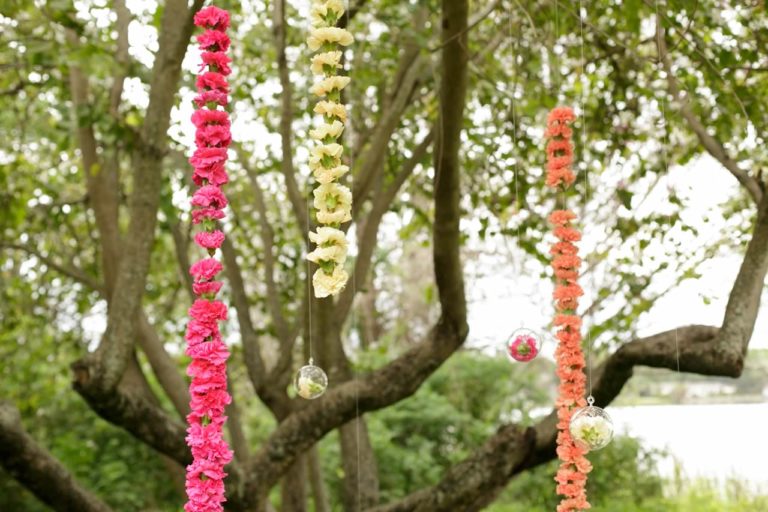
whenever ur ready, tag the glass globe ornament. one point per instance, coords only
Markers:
(591, 427)
(310, 381)
(523, 345)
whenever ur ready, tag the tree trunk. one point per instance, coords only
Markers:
(293, 489)
(361, 475)
(319, 492)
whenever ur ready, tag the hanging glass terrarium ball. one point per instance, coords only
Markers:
(591, 427)
(523, 345)
(310, 382)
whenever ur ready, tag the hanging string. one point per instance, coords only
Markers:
(350, 130)
(664, 142)
(585, 164)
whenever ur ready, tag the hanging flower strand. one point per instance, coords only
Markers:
(572, 475)
(332, 202)
(208, 389)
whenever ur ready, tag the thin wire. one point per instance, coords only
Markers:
(309, 267)
(582, 15)
(518, 204)
(353, 313)
(665, 141)
(556, 78)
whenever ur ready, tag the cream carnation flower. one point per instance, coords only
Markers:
(318, 153)
(332, 196)
(320, 9)
(319, 36)
(329, 284)
(329, 84)
(334, 253)
(331, 109)
(323, 175)
(327, 130)
(333, 203)
(319, 61)
(326, 236)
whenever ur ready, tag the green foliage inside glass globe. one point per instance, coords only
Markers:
(591, 428)
(310, 382)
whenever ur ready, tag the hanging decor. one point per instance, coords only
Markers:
(572, 474)
(523, 345)
(310, 381)
(591, 427)
(208, 388)
(332, 202)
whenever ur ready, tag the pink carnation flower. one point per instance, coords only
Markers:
(205, 269)
(212, 80)
(209, 240)
(209, 196)
(213, 41)
(199, 216)
(213, 135)
(200, 332)
(206, 157)
(214, 352)
(206, 116)
(214, 175)
(208, 310)
(207, 287)
(212, 17)
(523, 349)
(211, 96)
(219, 60)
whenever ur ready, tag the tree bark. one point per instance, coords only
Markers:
(361, 475)
(319, 491)
(293, 489)
(38, 470)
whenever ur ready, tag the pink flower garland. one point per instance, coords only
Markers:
(572, 475)
(208, 368)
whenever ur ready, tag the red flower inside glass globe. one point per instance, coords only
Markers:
(523, 347)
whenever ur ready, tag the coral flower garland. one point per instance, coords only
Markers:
(208, 389)
(332, 202)
(572, 475)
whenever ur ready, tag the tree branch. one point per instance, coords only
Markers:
(274, 398)
(122, 57)
(102, 369)
(411, 69)
(286, 119)
(397, 380)
(699, 349)
(367, 242)
(37, 470)
(403, 376)
(72, 272)
(710, 143)
(467, 485)
(163, 366)
(268, 241)
(447, 239)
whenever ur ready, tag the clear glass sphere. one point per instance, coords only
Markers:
(523, 345)
(310, 382)
(591, 428)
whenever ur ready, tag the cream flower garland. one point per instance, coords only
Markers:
(332, 202)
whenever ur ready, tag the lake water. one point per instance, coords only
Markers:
(710, 441)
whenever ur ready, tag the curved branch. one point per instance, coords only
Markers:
(35, 468)
(699, 349)
(468, 485)
(403, 376)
